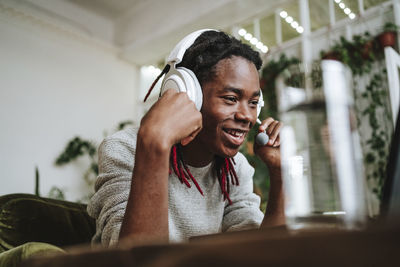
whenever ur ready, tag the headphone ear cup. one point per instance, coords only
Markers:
(183, 80)
(172, 81)
(193, 88)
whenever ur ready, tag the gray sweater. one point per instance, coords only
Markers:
(189, 213)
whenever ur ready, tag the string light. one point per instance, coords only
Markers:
(264, 49)
(291, 21)
(345, 9)
(253, 40)
(300, 29)
(242, 32)
(258, 44)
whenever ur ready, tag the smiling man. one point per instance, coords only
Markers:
(144, 190)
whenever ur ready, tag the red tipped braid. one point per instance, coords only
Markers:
(181, 173)
(175, 163)
(232, 172)
(228, 189)
(194, 180)
(165, 70)
(223, 168)
(228, 173)
(223, 182)
(228, 170)
(188, 173)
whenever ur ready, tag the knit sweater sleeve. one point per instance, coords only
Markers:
(244, 212)
(108, 204)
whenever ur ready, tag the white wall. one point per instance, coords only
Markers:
(55, 85)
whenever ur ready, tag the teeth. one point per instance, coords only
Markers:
(235, 133)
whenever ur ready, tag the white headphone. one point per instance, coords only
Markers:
(184, 80)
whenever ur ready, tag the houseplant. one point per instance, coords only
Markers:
(388, 36)
(358, 53)
(77, 148)
(362, 54)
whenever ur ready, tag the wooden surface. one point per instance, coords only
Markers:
(379, 245)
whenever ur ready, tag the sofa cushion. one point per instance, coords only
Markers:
(14, 256)
(28, 218)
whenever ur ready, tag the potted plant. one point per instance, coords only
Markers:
(388, 36)
(333, 55)
(367, 45)
(76, 148)
(357, 53)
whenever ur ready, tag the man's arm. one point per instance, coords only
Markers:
(271, 156)
(274, 214)
(146, 215)
(171, 120)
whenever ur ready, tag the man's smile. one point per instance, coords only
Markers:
(235, 136)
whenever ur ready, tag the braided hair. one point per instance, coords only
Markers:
(210, 48)
(201, 58)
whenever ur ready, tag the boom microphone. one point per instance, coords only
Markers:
(261, 138)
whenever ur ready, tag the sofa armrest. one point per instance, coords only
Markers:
(29, 218)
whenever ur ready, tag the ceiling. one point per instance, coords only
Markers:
(144, 31)
(110, 9)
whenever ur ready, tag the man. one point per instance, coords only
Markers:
(144, 189)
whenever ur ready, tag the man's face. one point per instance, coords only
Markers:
(229, 106)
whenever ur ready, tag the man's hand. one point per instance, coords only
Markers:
(172, 119)
(270, 153)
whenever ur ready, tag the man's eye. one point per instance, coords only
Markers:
(254, 102)
(230, 98)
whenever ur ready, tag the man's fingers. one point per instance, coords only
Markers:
(265, 123)
(277, 142)
(271, 128)
(274, 131)
(169, 92)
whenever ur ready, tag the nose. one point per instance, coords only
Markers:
(244, 113)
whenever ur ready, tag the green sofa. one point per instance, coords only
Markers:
(32, 225)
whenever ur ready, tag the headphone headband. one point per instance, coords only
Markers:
(184, 80)
(177, 53)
